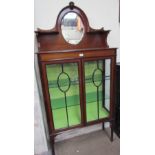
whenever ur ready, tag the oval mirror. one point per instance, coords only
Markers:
(72, 28)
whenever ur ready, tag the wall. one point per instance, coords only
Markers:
(39, 130)
(41, 137)
(100, 13)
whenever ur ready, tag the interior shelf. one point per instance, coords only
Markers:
(74, 115)
(53, 84)
(58, 101)
(55, 92)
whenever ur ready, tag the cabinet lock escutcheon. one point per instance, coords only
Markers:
(81, 54)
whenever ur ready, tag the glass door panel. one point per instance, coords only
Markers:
(63, 83)
(97, 86)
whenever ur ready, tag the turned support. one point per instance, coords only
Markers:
(112, 130)
(103, 126)
(52, 146)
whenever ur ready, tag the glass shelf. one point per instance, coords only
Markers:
(61, 105)
(53, 84)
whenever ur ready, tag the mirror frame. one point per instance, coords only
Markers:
(83, 33)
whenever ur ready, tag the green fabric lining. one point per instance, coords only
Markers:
(72, 95)
(73, 100)
(60, 118)
(92, 109)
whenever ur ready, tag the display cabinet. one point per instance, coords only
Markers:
(77, 70)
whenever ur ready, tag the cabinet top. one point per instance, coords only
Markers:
(77, 50)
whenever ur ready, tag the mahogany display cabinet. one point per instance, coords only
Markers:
(77, 70)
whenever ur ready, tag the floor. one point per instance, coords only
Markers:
(95, 143)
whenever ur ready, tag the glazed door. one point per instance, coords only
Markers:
(64, 91)
(97, 89)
